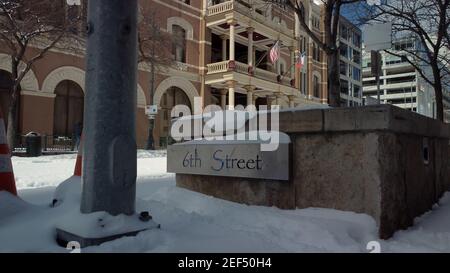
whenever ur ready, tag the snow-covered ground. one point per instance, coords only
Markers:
(192, 222)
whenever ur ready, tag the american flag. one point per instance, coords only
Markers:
(275, 52)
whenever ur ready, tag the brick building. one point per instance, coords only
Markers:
(223, 59)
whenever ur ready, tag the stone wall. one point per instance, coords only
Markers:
(368, 160)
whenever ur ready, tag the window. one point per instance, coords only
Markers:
(165, 99)
(302, 44)
(401, 79)
(315, 22)
(316, 52)
(357, 39)
(316, 87)
(179, 44)
(344, 87)
(343, 50)
(343, 68)
(404, 45)
(356, 91)
(344, 32)
(304, 83)
(356, 74)
(391, 60)
(356, 57)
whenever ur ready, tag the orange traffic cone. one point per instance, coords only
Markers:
(79, 163)
(7, 182)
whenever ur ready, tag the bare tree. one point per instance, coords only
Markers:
(155, 50)
(428, 22)
(329, 44)
(28, 30)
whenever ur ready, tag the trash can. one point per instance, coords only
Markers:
(33, 144)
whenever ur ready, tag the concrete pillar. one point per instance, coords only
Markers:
(224, 47)
(249, 98)
(255, 97)
(232, 25)
(250, 46)
(250, 92)
(231, 90)
(109, 161)
(223, 98)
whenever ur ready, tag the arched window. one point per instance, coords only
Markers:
(316, 87)
(172, 97)
(179, 43)
(69, 105)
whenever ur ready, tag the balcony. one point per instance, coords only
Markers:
(222, 72)
(239, 10)
(230, 66)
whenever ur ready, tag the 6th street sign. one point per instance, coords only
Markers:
(230, 159)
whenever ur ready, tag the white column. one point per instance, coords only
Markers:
(250, 91)
(223, 98)
(231, 89)
(232, 24)
(224, 47)
(250, 46)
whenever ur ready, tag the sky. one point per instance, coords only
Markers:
(353, 11)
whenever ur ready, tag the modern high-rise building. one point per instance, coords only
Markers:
(400, 83)
(350, 42)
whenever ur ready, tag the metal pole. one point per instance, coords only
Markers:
(378, 89)
(376, 64)
(109, 162)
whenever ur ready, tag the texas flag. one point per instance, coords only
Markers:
(300, 59)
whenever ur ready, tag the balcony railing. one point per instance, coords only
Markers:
(218, 67)
(228, 66)
(219, 8)
(234, 5)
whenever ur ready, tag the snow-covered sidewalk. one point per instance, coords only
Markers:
(192, 222)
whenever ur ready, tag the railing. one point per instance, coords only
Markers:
(49, 144)
(219, 8)
(227, 66)
(241, 67)
(235, 5)
(218, 67)
(264, 74)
